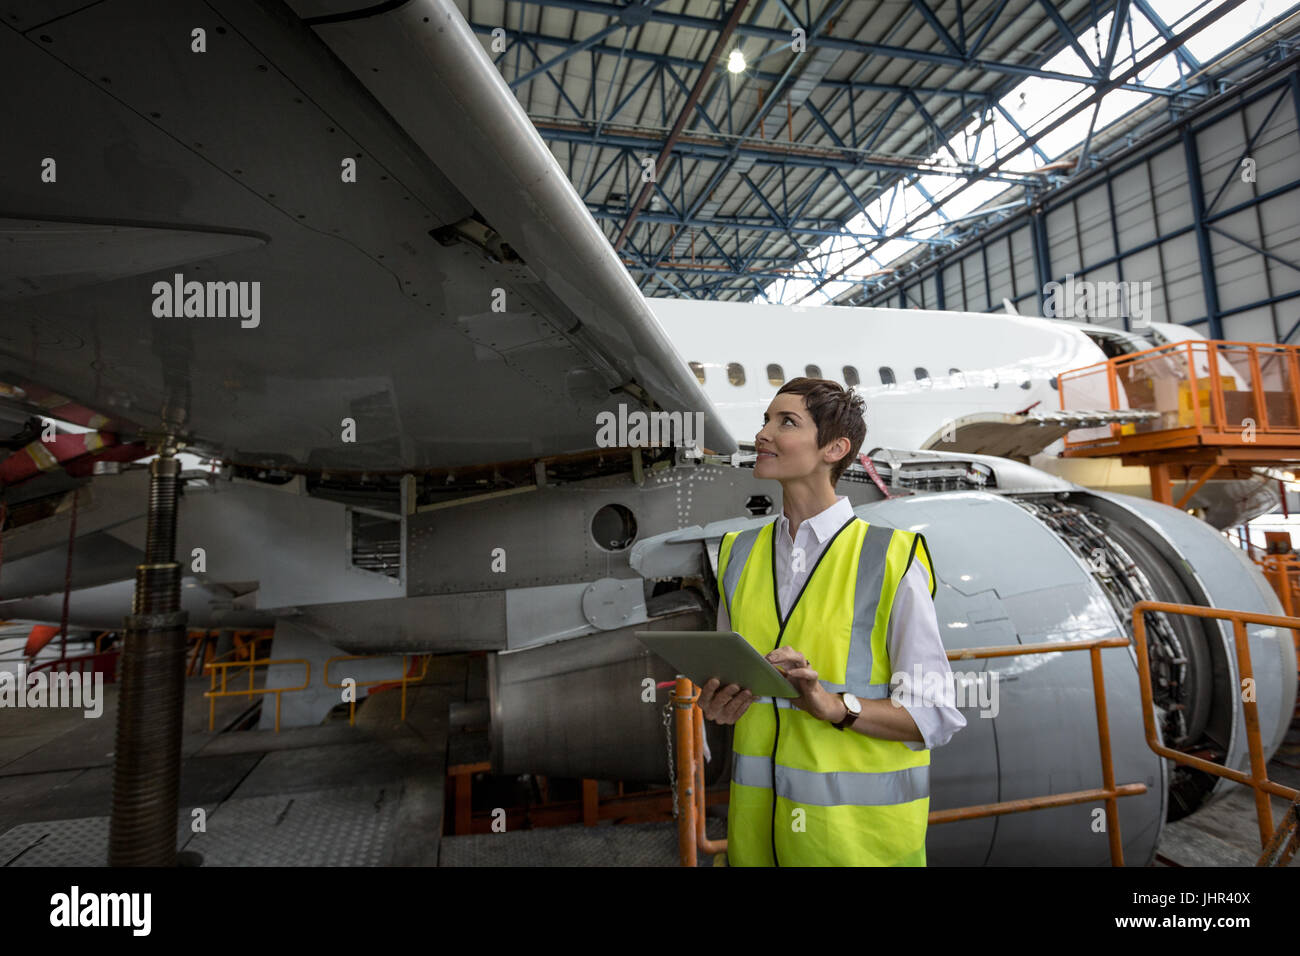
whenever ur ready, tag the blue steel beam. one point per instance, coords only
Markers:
(772, 154)
(687, 63)
(860, 47)
(929, 17)
(987, 28)
(1155, 56)
(850, 88)
(570, 51)
(1064, 29)
(1191, 62)
(778, 91)
(1188, 129)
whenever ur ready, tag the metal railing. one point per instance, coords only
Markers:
(406, 678)
(1278, 846)
(204, 639)
(1203, 391)
(250, 691)
(1257, 779)
(690, 820)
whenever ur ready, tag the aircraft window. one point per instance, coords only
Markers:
(920, 373)
(1025, 383)
(698, 369)
(886, 375)
(850, 376)
(1052, 382)
(954, 371)
(812, 371)
(736, 373)
(775, 376)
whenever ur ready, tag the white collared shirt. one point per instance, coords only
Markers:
(913, 637)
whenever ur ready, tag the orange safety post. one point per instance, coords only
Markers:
(1107, 768)
(701, 834)
(684, 698)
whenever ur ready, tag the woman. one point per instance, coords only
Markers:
(840, 774)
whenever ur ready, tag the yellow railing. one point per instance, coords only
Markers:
(403, 680)
(250, 691)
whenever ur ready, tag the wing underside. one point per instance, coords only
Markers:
(186, 247)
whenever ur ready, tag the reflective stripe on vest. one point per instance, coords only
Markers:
(833, 789)
(840, 797)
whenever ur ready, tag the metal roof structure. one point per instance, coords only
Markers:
(714, 184)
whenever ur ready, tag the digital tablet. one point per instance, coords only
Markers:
(725, 655)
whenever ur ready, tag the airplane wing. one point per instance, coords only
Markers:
(301, 219)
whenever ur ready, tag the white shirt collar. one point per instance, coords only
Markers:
(824, 523)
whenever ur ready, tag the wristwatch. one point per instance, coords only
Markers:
(853, 708)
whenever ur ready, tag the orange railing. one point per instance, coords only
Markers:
(690, 766)
(1282, 570)
(690, 779)
(406, 678)
(1203, 391)
(1257, 779)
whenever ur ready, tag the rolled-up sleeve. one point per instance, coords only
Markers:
(914, 640)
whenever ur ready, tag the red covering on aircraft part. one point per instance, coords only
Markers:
(64, 408)
(875, 475)
(41, 635)
(77, 455)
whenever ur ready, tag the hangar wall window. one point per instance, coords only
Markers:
(736, 373)
(812, 371)
(886, 375)
(850, 376)
(698, 369)
(775, 375)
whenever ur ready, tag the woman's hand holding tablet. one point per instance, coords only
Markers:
(724, 705)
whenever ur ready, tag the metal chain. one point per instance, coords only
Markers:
(672, 770)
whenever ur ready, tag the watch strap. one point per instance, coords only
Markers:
(849, 716)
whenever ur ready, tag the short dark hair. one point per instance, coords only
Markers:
(838, 412)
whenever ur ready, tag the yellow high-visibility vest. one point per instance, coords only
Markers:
(841, 798)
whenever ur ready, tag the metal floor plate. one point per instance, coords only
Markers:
(346, 826)
(624, 844)
(82, 841)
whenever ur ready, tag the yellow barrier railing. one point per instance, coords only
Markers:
(403, 680)
(1257, 779)
(224, 667)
